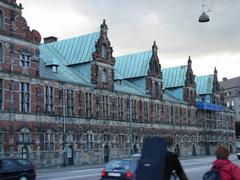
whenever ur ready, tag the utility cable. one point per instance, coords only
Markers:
(151, 12)
(144, 14)
(151, 26)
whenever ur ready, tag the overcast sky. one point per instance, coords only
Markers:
(135, 24)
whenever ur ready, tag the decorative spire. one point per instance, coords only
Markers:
(215, 71)
(190, 78)
(189, 60)
(154, 49)
(216, 86)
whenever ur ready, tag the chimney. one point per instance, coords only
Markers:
(224, 79)
(50, 39)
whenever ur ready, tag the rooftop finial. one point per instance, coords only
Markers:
(154, 48)
(215, 70)
(104, 29)
(189, 60)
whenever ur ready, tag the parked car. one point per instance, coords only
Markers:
(123, 169)
(17, 169)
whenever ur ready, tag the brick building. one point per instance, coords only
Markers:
(71, 102)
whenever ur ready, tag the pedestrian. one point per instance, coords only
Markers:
(172, 162)
(227, 169)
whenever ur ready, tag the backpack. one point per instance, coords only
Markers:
(152, 162)
(212, 174)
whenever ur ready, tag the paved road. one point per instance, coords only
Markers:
(194, 168)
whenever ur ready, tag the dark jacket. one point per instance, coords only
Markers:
(173, 164)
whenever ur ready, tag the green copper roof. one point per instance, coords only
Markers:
(168, 96)
(76, 50)
(204, 84)
(174, 76)
(64, 73)
(127, 87)
(132, 65)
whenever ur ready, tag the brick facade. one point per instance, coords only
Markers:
(89, 125)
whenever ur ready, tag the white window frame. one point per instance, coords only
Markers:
(70, 102)
(25, 58)
(24, 99)
(90, 140)
(49, 103)
(49, 140)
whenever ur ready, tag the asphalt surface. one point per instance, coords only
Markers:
(194, 167)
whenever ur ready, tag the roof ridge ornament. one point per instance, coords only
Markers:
(154, 49)
(215, 71)
(103, 29)
(189, 61)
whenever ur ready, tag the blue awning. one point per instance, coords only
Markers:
(207, 106)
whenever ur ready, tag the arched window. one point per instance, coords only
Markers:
(24, 136)
(1, 52)
(90, 140)
(1, 141)
(104, 52)
(104, 76)
(1, 20)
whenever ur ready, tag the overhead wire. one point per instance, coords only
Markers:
(226, 4)
(145, 14)
(151, 26)
(151, 12)
(225, 15)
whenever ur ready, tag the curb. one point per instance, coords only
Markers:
(68, 168)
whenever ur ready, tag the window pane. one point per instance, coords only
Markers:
(1, 52)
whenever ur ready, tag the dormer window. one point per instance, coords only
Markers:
(1, 20)
(54, 69)
(104, 76)
(25, 58)
(104, 52)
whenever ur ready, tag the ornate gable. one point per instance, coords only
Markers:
(154, 79)
(102, 70)
(103, 47)
(190, 78)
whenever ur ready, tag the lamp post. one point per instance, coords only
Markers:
(63, 123)
(130, 124)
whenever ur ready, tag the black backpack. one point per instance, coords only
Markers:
(212, 174)
(152, 162)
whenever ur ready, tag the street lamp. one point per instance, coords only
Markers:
(203, 18)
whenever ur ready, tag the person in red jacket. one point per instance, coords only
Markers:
(227, 169)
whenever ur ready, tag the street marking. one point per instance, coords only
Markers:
(73, 177)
